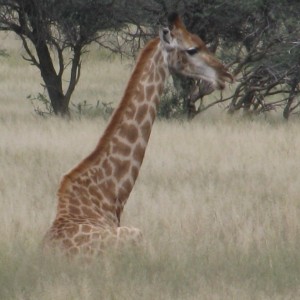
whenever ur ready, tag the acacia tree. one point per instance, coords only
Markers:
(259, 40)
(266, 60)
(49, 29)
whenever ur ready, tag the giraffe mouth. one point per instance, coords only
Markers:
(214, 82)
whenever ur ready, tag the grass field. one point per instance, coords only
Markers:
(217, 200)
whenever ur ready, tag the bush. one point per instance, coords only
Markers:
(42, 107)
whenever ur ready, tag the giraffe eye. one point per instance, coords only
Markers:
(192, 51)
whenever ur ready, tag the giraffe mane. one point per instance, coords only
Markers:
(115, 120)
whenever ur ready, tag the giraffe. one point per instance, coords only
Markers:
(91, 196)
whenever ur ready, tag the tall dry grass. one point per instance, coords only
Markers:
(217, 200)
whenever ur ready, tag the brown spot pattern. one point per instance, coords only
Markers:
(73, 251)
(107, 167)
(74, 210)
(108, 207)
(121, 148)
(86, 201)
(134, 172)
(152, 112)
(141, 113)
(138, 153)
(162, 73)
(146, 130)
(157, 77)
(86, 228)
(108, 189)
(89, 213)
(96, 174)
(121, 167)
(81, 239)
(130, 111)
(94, 192)
(82, 192)
(129, 132)
(67, 243)
(149, 91)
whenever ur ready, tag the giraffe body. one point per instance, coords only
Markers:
(91, 197)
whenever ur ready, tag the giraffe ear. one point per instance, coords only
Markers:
(164, 34)
(166, 38)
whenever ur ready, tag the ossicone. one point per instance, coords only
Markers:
(172, 17)
(174, 20)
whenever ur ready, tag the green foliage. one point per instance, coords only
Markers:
(85, 109)
(172, 105)
(3, 53)
(42, 106)
(258, 39)
(55, 35)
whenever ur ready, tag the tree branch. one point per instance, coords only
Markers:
(31, 58)
(75, 71)
(60, 56)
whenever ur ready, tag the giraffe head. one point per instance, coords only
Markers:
(185, 53)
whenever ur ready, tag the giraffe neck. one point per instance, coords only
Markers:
(102, 182)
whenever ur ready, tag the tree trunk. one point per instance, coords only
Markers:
(53, 82)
